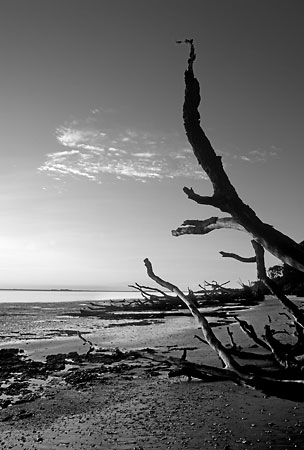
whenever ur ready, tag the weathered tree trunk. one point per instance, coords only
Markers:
(286, 383)
(285, 379)
(273, 287)
(225, 196)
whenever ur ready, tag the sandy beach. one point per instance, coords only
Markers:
(136, 406)
(151, 172)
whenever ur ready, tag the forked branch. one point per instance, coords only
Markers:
(207, 225)
(209, 336)
(225, 196)
(270, 382)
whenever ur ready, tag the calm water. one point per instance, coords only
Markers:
(33, 315)
(61, 296)
(46, 314)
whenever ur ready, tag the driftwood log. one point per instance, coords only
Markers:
(285, 382)
(286, 378)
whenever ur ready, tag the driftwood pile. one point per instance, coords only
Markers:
(156, 303)
(286, 378)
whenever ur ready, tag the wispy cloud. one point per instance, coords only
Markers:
(94, 151)
(259, 155)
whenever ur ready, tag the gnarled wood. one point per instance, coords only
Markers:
(287, 381)
(278, 383)
(225, 196)
(207, 225)
(209, 336)
(273, 287)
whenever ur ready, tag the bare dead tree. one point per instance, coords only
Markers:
(285, 382)
(157, 299)
(225, 197)
(285, 379)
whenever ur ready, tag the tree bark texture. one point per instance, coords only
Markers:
(225, 196)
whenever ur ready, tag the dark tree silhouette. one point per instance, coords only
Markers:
(285, 379)
(288, 278)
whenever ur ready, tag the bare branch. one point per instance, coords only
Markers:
(250, 331)
(273, 287)
(225, 195)
(196, 336)
(216, 286)
(281, 352)
(233, 344)
(201, 200)
(240, 353)
(251, 376)
(200, 371)
(144, 289)
(207, 225)
(251, 259)
(209, 336)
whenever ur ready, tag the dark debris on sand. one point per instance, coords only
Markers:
(23, 380)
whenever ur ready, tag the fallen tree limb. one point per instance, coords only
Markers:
(200, 371)
(209, 336)
(240, 353)
(250, 331)
(281, 352)
(278, 383)
(269, 385)
(148, 291)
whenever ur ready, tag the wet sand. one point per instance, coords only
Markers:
(154, 413)
(141, 408)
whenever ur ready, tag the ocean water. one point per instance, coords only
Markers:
(31, 315)
(15, 296)
(41, 315)
(35, 315)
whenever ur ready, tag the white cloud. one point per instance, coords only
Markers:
(144, 155)
(93, 151)
(258, 155)
(72, 137)
(245, 158)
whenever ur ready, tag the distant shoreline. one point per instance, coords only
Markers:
(64, 290)
(59, 295)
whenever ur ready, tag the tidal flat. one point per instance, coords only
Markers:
(121, 402)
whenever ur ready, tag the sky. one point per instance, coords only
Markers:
(93, 155)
